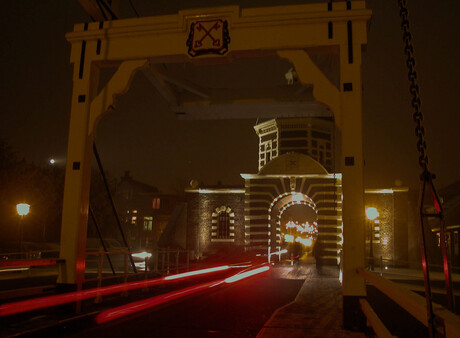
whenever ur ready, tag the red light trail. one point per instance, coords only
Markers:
(135, 307)
(246, 274)
(43, 302)
(197, 272)
(30, 262)
(138, 306)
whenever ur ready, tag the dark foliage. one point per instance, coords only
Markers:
(42, 188)
(23, 182)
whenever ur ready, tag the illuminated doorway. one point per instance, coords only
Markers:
(298, 223)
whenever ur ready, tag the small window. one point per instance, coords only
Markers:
(222, 229)
(148, 223)
(223, 225)
(156, 203)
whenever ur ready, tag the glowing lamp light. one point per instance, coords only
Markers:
(289, 238)
(372, 213)
(52, 161)
(142, 255)
(297, 198)
(22, 209)
(290, 224)
(304, 241)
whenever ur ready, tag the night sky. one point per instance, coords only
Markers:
(143, 136)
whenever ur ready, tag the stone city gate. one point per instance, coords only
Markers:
(288, 180)
(302, 34)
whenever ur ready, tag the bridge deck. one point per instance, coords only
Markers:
(316, 311)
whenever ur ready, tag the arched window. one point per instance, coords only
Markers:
(223, 225)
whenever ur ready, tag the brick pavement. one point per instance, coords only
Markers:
(316, 311)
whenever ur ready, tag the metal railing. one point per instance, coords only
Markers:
(28, 265)
(166, 260)
(380, 264)
(12, 261)
(28, 255)
(161, 262)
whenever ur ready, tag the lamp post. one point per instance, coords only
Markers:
(22, 209)
(371, 214)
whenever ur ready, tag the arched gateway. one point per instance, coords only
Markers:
(293, 179)
(323, 42)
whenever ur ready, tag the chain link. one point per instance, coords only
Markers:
(413, 88)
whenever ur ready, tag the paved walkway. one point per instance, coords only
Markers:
(316, 311)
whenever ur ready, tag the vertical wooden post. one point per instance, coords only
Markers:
(78, 170)
(86, 110)
(352, 174)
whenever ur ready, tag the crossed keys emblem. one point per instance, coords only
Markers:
(208, 37)
(200, 27)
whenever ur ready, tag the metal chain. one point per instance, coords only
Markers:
(426, 181)
(413, 88)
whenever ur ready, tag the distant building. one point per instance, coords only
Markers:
(144, 211)
(390, 234)
(450, 198)
(251, 217)
(295, 182)
(294, 191)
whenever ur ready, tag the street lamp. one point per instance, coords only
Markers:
(371, 214)
(22, 209)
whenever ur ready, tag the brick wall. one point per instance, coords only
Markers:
(199, 221)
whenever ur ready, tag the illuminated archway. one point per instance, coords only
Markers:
(298, 224)
(269, 195)
(277, 231)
